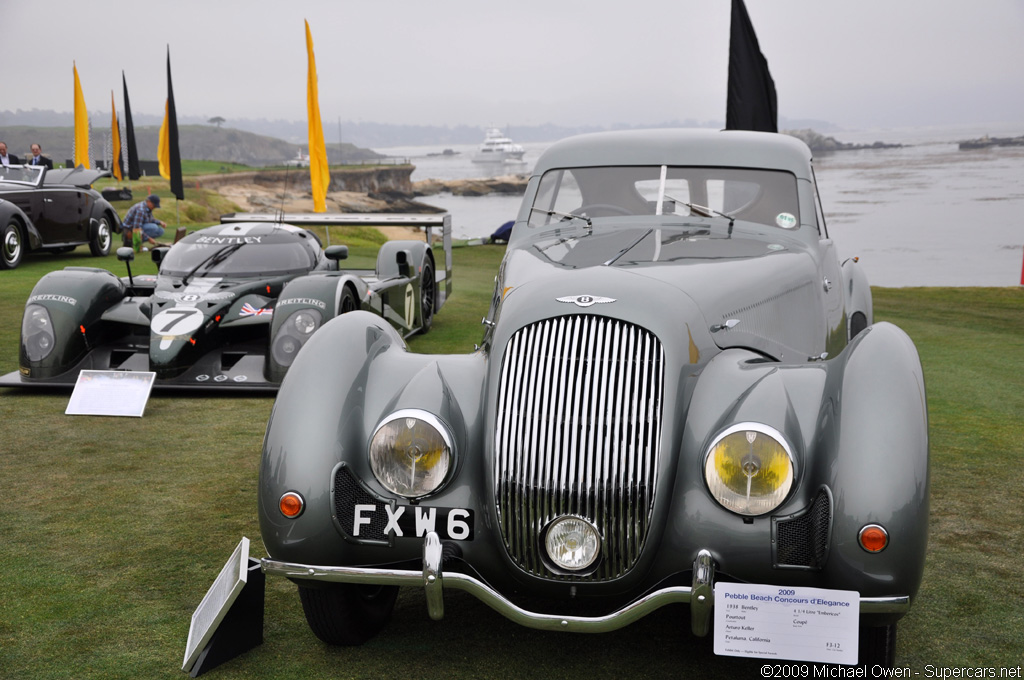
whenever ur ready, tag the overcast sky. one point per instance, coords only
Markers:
(859, 64)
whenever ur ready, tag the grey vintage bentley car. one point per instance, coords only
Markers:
(679, 386)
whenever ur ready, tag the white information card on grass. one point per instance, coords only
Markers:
(111, 393)
(798, 624)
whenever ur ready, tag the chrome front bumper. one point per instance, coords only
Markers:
(700, 595)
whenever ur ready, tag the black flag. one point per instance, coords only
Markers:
(134, 172)
(751, 104)
(174, 155)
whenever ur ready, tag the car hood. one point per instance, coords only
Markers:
(707, 284)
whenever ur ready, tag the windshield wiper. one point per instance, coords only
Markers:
(564, 216)
(629, 247)
(212, 260)
(704, 211)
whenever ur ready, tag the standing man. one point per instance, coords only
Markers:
(139, 220)
(38, 158)
(4, 158)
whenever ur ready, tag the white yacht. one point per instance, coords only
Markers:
(497, 148)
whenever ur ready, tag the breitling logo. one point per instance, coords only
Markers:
(585, 300)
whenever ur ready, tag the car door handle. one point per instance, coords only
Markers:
(47, 200)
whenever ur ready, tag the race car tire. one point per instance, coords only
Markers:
(12, 245)
(347, 614)
(347, 303)
(99, 244)
(428, 295)
(877, 646)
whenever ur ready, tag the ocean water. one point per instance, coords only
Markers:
(925, 214)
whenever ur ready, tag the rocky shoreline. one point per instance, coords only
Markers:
(819, 143)
(986, 142)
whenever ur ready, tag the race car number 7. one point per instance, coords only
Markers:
(177, 321)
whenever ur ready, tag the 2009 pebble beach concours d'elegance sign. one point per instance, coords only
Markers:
(800, 624)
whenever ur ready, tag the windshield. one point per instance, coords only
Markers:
(242, 260)
(26, 174)
(764, 197)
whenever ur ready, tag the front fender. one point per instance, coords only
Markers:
(857, 424)
(9, 211)
(881, 475)
(352, 373)
(75, 299)
(320, 293)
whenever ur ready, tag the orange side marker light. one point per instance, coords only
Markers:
(291, 505)
(873, 538)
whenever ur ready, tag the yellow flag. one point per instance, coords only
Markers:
(163, 149)
(319, 175)
(115, 136)
(81, 124)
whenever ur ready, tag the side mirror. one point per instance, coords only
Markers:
(126, 254)
(336, 253)
(158, 254)
(402, 258)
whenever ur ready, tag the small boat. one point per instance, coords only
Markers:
(301, 160)
(497, 148)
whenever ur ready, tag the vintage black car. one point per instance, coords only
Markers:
(680, 392)
(231, 305)
(54, 211)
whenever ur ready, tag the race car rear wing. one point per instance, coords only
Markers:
(427, 222)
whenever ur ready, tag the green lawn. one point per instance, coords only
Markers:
(115, 527)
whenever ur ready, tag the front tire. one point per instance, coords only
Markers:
(428, 294)
(99, 244)
(347, 614)
(12, 246)
(347, 303)
(877, 646)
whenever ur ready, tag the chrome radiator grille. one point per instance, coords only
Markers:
(578, 432)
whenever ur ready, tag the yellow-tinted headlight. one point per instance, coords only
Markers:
(749, 469)
(411, 453)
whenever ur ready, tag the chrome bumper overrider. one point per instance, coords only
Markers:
(700, 595)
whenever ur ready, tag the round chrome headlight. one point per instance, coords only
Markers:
(411, 453)
(572, 543)
(749, 469)
(37, 332)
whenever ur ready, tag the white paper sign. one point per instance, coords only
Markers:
(799, 624)
(111, 393)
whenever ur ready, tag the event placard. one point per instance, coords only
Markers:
(799, 624)
(111, 393)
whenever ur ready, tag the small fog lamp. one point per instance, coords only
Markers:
(291, 505)
(572, 543)
(873, 538)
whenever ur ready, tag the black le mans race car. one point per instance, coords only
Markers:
(52, 210)
(230, 306)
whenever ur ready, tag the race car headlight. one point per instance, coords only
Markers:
(306, 321)
(749, 469)
(411, 453)
(293, 334)
(37, 332)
